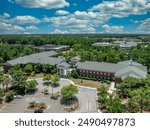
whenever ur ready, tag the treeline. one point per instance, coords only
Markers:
(52, 39)
(114, 54)
(67, 39)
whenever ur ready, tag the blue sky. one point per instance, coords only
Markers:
(74, 16)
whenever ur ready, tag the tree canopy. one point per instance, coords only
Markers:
(69, 91)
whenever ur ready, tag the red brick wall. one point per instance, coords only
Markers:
(96, 74)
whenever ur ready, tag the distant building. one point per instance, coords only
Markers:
(125, 44)
(52, 47)
(75, 59)
(102, 44)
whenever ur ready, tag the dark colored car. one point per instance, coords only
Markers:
(38, 111)
(54, 97)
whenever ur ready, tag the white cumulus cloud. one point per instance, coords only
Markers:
(47, 4)
(27, 19)
(144, 27)
(31, 28)
(62, 12)
(123, 8)
(112, 29)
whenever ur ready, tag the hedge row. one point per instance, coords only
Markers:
(94, 79)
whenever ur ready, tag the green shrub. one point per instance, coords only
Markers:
(69, 91)
(87, 78)
(9, 96)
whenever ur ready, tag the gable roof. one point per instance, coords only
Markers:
(64, 65)
(130, 62)
(76, 59)
(131, 70)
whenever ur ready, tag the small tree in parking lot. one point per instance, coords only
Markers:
(69, 91)
(31, 86)
(47, 78)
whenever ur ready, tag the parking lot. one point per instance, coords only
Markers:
(87, 99)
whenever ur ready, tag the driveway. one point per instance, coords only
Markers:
(87, 98)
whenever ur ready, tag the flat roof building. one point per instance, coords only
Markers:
(52, 47)
(103, 44)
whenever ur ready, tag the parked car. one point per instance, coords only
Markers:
(38, 111)
(54, 97)
(1, 100)
(18, 96)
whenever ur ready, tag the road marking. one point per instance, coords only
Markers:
(87, 105)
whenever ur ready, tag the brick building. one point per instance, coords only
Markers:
(111, 71)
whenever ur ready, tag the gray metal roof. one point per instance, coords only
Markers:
(102, 44)
(131, 70)
(64, 65)
(76, 59)
(130, 62)
(100, 66)
(128, 44)
(42, 58)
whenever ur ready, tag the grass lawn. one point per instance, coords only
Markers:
(40, 75)
(88, 83)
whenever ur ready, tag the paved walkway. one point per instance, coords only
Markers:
(112, 87)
